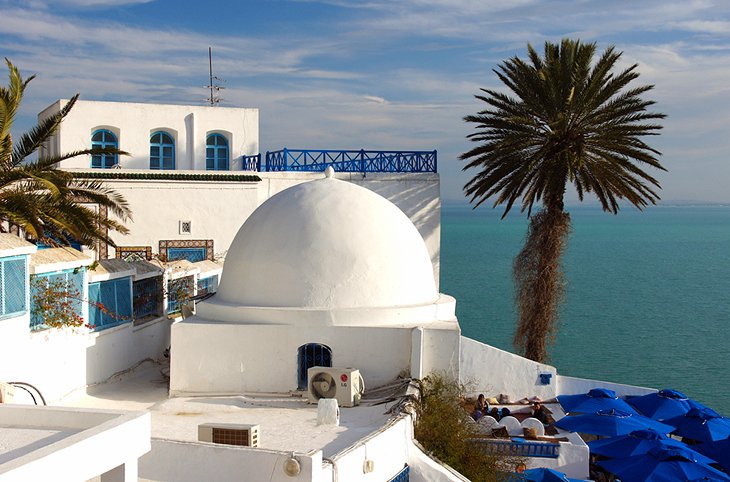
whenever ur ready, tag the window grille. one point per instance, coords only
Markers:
(216, 153)
(191, 254)
(178, 292)
(207, 285)
(65, 286)
(162, 151)
(110, 303)
(103, 139)
(13, 286)
(186, 227)
(147, 300)
(311, 355)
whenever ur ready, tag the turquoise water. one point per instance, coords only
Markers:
(647, 301)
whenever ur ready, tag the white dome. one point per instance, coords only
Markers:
(327, 244)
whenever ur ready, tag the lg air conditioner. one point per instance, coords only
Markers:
(344, 384)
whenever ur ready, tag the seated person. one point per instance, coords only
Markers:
(499, 413)
(541, 413)
(480, 408)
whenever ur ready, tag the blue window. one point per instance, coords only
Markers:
(308, 356)
(179, 291)
(110, 303)
(162, 151)
(207, 285)
(61, 287)
(216, 153)
(13, 286)
(147, 297)
(104, 139)
(191, 254)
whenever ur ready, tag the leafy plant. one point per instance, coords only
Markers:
(446, 430)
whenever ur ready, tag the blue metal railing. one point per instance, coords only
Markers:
(519, 449)
(251, 163)
(350, 160)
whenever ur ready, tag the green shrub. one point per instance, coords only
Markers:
(444, 427)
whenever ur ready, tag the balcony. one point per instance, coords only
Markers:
(343, 161)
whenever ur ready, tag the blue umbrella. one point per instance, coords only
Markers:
(718, 450)
(593, 401)
(702, 424)
(662, 404)
(637, 443)
(661, 464)
(610, 423)
(543, 474)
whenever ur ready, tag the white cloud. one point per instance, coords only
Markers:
(391, 75)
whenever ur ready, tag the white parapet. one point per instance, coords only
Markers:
(71, 444)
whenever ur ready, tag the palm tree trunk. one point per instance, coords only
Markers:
(539, 281)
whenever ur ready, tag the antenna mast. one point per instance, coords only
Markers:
(214, 88)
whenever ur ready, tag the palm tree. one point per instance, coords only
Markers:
(566, 119)
(48, 204)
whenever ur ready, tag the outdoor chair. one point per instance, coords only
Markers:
(534, 424)
(512, 425)
(486, 424)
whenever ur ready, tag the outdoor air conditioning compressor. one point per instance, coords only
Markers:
(344, 384)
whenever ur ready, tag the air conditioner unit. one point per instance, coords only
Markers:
(344, 384)
(229, 434)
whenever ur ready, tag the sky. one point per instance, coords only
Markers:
(378, 74)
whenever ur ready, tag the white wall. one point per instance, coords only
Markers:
(388, 449)
(195, 462)
(106, 444)
(58, 361)
(492, 371)
(218, 209)
(134, 123)
(238, 358)
(572, 385)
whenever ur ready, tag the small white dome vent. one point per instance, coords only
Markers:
(327, 244)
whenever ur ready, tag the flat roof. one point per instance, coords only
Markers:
(286, 421)
(13, 245)
(58, 259)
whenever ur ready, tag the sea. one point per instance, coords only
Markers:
(647, 300)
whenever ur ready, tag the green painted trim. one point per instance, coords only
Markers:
(167, 176)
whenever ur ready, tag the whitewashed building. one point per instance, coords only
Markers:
(191, 175)
(339, 271)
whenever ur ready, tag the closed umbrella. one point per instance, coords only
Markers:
(703, 424)
(593, 401)
(637, 443)
(718, 450)
(610, 423)
(662, 404)
(661, 464)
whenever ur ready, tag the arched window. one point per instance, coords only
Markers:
(101, 139)
(216, 153)
(308, 356)
(162, 151)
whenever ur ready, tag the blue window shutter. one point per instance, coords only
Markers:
(102, 139)
(162, 151)
(94, 299)
(16, 285)
(216, 153)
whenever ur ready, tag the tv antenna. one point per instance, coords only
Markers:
(214, 85)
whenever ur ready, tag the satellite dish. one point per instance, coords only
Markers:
(324, 385)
